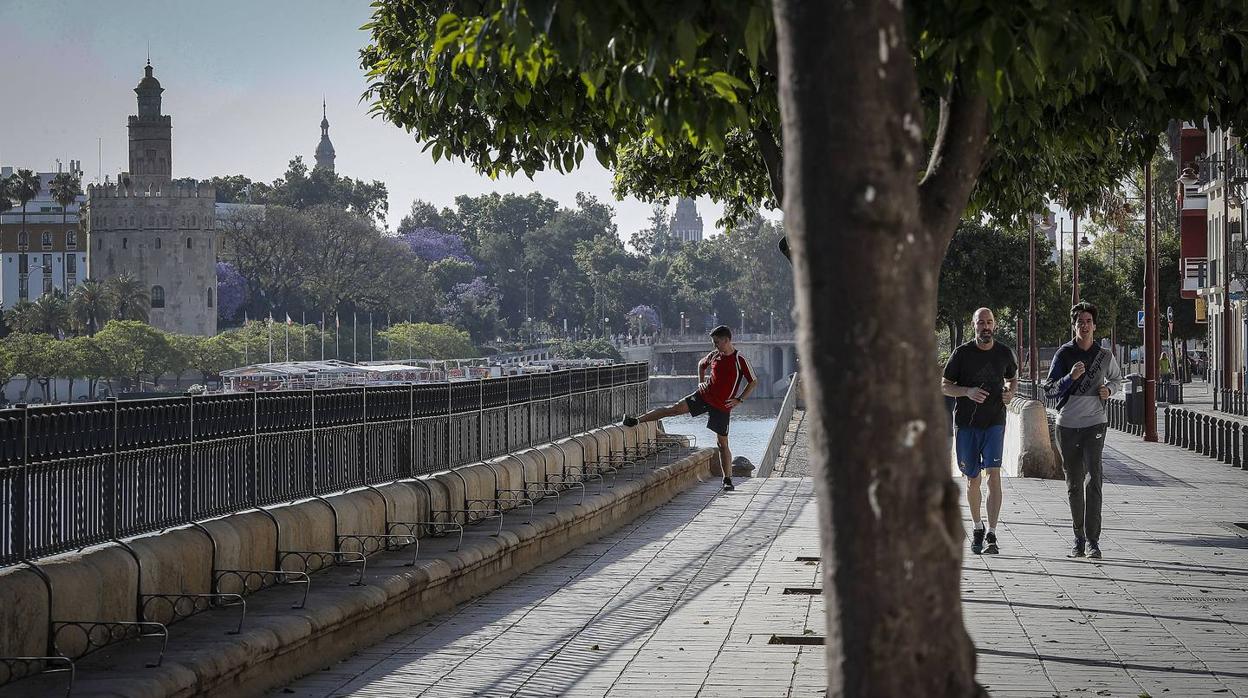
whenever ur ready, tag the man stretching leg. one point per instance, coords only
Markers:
(731, 381)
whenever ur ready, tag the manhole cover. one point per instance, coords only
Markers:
(810, 591)
(796, 640)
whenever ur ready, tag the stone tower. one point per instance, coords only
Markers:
(160, 232)
(324, 149)
(686, 224)
(151, 140)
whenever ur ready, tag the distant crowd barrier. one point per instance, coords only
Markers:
(1217, 437)
(79, 474)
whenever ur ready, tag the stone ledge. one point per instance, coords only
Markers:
(279, 644)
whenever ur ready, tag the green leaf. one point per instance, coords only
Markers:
(686, 43)
(522, 97)
(448, 31)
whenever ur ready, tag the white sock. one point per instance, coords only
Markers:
(992, 530)
(979, 525)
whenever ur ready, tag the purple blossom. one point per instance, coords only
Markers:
(649, 317)
(231, 291)
(434, 245)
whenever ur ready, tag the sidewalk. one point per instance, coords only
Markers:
(684, 601)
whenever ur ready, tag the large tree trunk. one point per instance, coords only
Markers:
(866, 247)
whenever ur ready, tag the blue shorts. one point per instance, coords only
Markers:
(979, 448)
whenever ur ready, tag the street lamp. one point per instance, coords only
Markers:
(682, 323)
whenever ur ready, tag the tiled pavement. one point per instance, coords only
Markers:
(683, 601)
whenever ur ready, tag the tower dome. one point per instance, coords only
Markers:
(325, 149)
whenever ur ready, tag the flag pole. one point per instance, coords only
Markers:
(270, 333)
(370, 336)
(355, 325)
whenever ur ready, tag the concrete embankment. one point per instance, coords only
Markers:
(348, 606)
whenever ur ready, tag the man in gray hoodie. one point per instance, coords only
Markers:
(1082, 377)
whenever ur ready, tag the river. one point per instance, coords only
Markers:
(748, 433)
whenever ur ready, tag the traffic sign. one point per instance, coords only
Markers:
(1139, 318)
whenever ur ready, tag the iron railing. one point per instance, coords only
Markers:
(78, 474)
(1217, 437)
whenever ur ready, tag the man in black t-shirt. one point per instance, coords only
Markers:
(982, 375)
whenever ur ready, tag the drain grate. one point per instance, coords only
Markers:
(796, 640)
(803, 590)
(1204, 599)
(808, 558)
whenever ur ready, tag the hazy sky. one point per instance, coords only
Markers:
(243, 82)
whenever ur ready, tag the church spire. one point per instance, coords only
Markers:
(325, 149)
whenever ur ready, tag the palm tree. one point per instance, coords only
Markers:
(50, 314)
(24, 186)
(6, 202)
(65, 188)
(90, 305)
(129, 297)
(19, 318)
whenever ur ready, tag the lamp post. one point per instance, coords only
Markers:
(682, 323)
(1074, 260)
(1032, 345)
(1152, 334)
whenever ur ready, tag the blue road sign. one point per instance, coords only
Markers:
(1139, 318)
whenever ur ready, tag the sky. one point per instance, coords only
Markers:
(243, 83)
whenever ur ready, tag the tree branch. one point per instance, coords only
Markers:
(956, 159)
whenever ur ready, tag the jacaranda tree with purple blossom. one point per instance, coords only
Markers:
(434, 245)
(649, 319)
(231, 291)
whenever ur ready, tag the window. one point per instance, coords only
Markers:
(71, 264)
(188, 243)
(209, 298)
(47, 265)
(99, 243)
(45, 240)
(158, 297)
(71, 239)
(23, 240)
(22, 262)
(124, 243)
(158, 243)
(47, 285)
(23, 286)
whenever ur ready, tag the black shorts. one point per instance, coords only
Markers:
(716, 419)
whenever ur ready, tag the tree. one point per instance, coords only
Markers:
(303, 189)
(6, 200)
(34, 356)
(24, 185)
(49, 314)
(20, 318)
(474, 306)
(231, 291)
(7, 360)
(90, 305)
(135, 349)
(872, 122)
(594, 348)
(426, 341)
(212, 355)
(128, 297)
(65, 189)
(985, 266)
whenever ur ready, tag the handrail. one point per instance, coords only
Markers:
(780, 429)
(80, 474)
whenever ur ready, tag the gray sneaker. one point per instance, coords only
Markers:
(1077, 551)
(1094, 551)
(990, 544)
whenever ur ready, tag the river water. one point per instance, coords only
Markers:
(748, 432)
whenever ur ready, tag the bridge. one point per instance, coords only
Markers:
(674, 360)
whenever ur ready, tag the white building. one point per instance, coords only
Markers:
(48, 253)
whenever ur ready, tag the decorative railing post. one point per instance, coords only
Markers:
(411, 430)
(364, 459)
(188, 463)
(21, 505)
(114, 472)
(254, 495)
(312, 461)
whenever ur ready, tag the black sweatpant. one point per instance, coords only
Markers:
(1081, 457)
